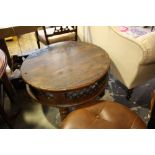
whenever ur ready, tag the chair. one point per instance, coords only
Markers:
(53, 34)
(131, 49)
(6, 85)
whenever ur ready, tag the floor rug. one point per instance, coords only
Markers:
(34, 116)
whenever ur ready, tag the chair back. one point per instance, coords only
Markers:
(58, 30)
(52, 34)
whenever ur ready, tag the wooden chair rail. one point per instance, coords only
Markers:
(59, 31)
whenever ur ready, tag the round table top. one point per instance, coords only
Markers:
(65, 66)
(3, 63)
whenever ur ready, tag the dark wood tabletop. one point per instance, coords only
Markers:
(65, 66)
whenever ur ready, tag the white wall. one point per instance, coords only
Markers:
(94, 34)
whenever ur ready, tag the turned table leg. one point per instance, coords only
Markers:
(60, 98)
(64, 111)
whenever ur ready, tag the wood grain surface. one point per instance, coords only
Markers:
(65, 66)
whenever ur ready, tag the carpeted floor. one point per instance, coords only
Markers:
(139, 101)
(32, 115)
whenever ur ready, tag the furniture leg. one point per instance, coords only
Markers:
(38, 43)
(151, 123)
(129, 93)
(60, 98)
(2, 112)
(152, 27)
(63, 112)
(1, 95)
(5, 117)
(9, 88)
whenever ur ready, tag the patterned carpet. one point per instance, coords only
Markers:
(34, 116)
(139, 101)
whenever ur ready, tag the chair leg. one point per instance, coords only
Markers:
(38, 43)
(1, 95)
(151, 123)
(152, 27)
(2, 112)
(5, 117)
(37, 38)
(129, 93)
(9, 89)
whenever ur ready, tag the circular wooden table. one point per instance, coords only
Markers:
(66, 74)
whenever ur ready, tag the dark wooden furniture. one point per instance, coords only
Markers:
(66, 74)
(6, 85)
(152, 27)
(151, 123)
(13, 31)
(53, 34)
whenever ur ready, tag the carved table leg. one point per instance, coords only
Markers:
(63, 112)
(60, 98)
(102, 94)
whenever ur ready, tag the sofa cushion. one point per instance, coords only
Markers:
(134, 31)
(147, 42)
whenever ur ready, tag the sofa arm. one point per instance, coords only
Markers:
(147, 43)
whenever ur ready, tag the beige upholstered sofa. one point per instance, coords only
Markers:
(132, 58)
